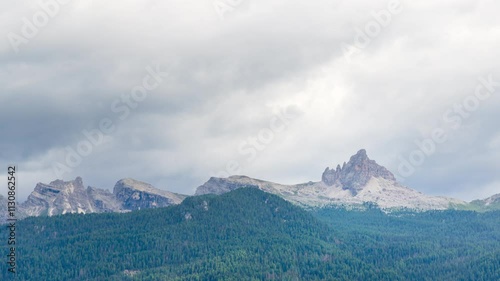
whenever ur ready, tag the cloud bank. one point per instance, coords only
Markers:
(276, 90)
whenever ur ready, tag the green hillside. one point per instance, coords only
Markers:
(251, 235)
(433, 245)
(243, 235)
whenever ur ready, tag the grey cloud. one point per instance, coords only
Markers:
(227, 79)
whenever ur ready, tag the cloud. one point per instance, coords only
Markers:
(229, 78)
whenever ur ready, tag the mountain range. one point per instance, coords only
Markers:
(248, 234)
(352, 185)
(61, 197)
(358, 181)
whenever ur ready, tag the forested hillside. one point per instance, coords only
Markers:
(247, 234)
(243, 235)
(433, 245)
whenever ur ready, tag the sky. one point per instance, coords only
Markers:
(174, 92)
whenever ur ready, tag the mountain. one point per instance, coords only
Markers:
(358, 181)
(491, 203)
(242, 235)
(247, 234)
(136, 195)
(356, 174)
(495, 199)
(61, 197)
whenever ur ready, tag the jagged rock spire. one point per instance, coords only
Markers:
(356, 173)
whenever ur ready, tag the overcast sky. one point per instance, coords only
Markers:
(173, 92)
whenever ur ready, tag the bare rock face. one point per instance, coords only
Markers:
(358, 181)
(356, 173)
(61, 197)
(136, 195)
(222, 185)
(103, 200)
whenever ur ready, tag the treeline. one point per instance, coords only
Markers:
(243, 235)
(251, 235)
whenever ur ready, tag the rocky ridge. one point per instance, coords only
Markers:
(61, 197)
(351, 185)
(356, 174)
(136, 195)
(358, 181)
(490, 203)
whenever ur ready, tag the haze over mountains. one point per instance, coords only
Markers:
(356, 182)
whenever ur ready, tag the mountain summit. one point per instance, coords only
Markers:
(353, 184)
(358, 181)
(356, 173)
(61, 197)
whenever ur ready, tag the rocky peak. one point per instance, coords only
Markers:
(59, 186)
(136, 195)
(58, 197)
(61, 197)
(356, 173)
(77, 182)
(495, 199)
(222, 185)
